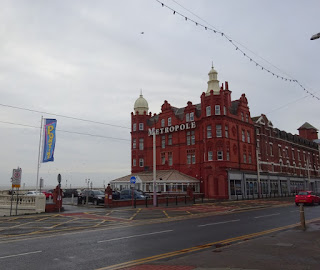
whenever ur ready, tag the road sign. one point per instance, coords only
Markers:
(16, 177)
(133, 180)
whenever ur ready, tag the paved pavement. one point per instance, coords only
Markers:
(292, 249)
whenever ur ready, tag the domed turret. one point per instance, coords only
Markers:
(141, 105)
(213, 83)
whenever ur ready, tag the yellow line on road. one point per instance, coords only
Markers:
(59, 224)
(197, 248)
(109, 213)
(164, 211)
(46, 218)
(139, 210)
(98, 224)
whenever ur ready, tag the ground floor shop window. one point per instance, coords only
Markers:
(252, 187)
(235, 187)
(264, 187)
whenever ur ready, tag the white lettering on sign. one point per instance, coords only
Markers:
(171, 128)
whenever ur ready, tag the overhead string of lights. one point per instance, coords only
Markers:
(67, 131)
(251, 59)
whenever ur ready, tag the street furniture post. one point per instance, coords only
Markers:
(302, 217)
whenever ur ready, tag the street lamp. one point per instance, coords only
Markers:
(315, 36)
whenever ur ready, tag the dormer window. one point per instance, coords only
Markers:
(192, 116)
(169, 121)
(162, 122)
(242, 116)
(134, 127)
(141, 126)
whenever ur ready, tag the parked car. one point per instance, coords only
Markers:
(34, 193)
(146, 194)
(115, 195)
(69, 192)
(126, 194)
(307, 197)
(94, 196)
(47, 193)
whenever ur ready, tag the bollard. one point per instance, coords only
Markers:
(202, 197)
(194, 199)
(185, 199)
(302, 218)
(146, 202)
(167, 201)
(135, 203)
(237, 198)
(176, 200)
(157, 202)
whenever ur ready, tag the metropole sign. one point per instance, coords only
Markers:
(170, 129)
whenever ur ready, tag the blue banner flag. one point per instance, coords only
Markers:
(49, 139)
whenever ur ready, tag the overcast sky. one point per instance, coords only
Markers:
(89, 60)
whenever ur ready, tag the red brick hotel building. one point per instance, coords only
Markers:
(217, 142)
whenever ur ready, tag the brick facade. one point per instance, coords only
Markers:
(210, 139)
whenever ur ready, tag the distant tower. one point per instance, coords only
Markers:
(308, 132)
(139, 134)
(213, 83)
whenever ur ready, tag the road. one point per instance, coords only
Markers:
(107, 247)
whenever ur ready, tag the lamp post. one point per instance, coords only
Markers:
(258, 173)
(154, 170)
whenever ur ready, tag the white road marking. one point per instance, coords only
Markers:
(268, 215)
(217, 223)
(132, 236)
(21, 254)
(294, 211)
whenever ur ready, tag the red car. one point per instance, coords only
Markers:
(48, 194)
(307, 197)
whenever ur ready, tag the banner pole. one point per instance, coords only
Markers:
(39, 155)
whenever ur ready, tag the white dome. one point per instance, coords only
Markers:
(213, 83)
(141, 105)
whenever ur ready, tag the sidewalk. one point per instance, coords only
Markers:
(292, 249)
